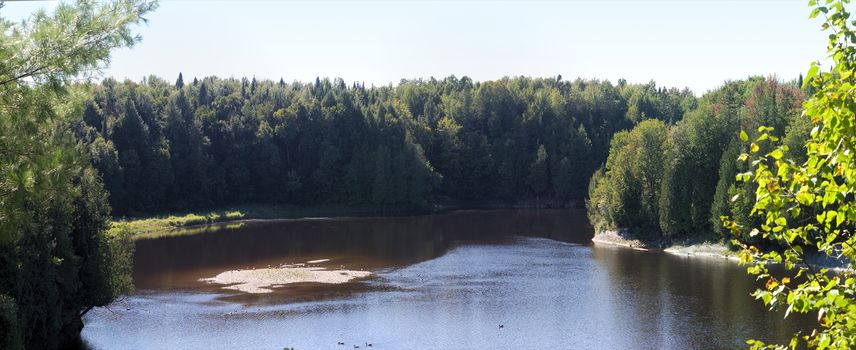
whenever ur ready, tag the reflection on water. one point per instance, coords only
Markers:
(442, 282)
(178, 262)
(683, 302)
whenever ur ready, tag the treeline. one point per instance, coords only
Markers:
(164, 146)
(677, 180)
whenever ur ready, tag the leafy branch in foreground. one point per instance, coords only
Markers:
(807, 209)
(57, 260)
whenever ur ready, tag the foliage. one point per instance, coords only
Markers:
(120, 248)
(9, 323)
(689, 180)
(54, 254)
(627, 193)
(223, 142)
(807, 207)
(164, 223)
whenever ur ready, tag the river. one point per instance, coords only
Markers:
(498, 279)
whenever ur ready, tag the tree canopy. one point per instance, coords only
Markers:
(802, 200)
(56, 261)
(214, 142)
(667, 181)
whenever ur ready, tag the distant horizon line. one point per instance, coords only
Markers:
(558, 77)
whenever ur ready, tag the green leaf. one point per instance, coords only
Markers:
(777, 153)
(743, 136)
(812, 72)
(831, 215)
(814, 13)
(824, 342)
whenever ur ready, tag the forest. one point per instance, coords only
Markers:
(161, 146)
(666, 181)
(660, 162)
(762, 160)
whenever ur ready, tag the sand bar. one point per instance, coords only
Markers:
(262, 280)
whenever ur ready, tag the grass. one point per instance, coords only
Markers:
(158, 224)
(193, 230)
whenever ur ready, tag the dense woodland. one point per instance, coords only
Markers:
(661, 161)
(675, 180)
(163, 146)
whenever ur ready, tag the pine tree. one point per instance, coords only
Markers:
(202, 98)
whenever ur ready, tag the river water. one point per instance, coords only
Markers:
(445, 281)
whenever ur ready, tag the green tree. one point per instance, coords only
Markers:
(162, 147)
(626, 194)
(55, 254)
(807, 207)
(537, 179)
(381, 191)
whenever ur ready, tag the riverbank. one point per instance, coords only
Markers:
(705, 250)
(623, 238)
(156, 225)
(159, 224)
(697, 248)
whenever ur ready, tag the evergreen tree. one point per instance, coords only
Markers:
(57, 260)
(227, 141)
(179, 83)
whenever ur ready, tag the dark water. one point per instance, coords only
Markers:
(441, 282)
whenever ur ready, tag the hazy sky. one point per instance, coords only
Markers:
(697, 44)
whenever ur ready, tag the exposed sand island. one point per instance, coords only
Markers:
(257, 281)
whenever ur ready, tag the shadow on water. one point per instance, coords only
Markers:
(441, 282)
(178, 262)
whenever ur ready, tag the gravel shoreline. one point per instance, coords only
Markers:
(622, 238)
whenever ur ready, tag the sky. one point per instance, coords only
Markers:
(695, 43)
